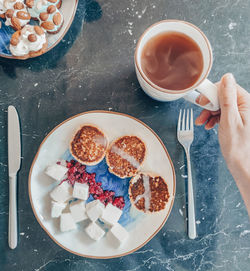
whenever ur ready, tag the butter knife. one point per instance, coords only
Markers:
(14, 160)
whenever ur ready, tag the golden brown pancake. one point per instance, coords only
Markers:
(148, 192)
(125, 156)
(89, 145)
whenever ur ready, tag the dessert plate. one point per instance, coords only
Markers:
(68, 10)
(141, 227)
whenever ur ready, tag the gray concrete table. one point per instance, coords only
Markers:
(92, 68)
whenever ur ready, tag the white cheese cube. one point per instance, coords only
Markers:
(57, 208)
(78, 212)
(63, 163)
(62, 192)
(81, 191)
(118, 234)
(111, 214)
(67, 222)
(56, 172)
(94, 209)
(94, 231)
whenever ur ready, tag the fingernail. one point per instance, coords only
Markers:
(197, 122)
(203, 100)
(198, 99)
(229, 80)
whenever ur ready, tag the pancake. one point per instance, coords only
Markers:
(125, 156)
(148, 192)
(89, 145)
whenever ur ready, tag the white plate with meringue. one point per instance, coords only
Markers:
(67, 9)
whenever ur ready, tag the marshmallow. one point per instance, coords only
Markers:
(78, 212)
(94, 231)
(57, 208)
(118, 234)
(111, 214)
(62, 192)
(94, 210)
(56, 172)
(81, 191)
(67, 222)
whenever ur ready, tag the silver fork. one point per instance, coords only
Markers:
(185, 135)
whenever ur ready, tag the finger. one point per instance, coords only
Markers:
(202, 100)
(212, 122)
(228, 98)
(215, 113)
(242, 91)
(243, 100)
(243, 97)
(203, 117)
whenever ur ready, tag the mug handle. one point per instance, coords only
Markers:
(208, 89)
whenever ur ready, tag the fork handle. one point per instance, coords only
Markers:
(191, 212)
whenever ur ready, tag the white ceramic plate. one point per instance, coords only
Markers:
(141, 227)
(68, 10)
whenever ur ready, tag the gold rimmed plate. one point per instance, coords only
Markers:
(141, 227)
(68, 10)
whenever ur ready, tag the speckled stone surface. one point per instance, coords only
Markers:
(92, 68)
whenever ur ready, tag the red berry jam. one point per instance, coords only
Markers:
(77, 173)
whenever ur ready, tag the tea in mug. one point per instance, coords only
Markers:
(172, 60)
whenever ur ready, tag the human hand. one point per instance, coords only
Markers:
(234, 130)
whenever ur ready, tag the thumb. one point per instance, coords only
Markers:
(228, 98)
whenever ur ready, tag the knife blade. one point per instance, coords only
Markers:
(14, 161)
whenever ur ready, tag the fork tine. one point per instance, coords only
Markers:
(187, 120)
(191, 121)
(183, 119)
(179, 121)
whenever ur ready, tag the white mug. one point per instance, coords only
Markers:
(202, 85)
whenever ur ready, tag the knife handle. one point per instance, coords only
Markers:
(12, 212)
